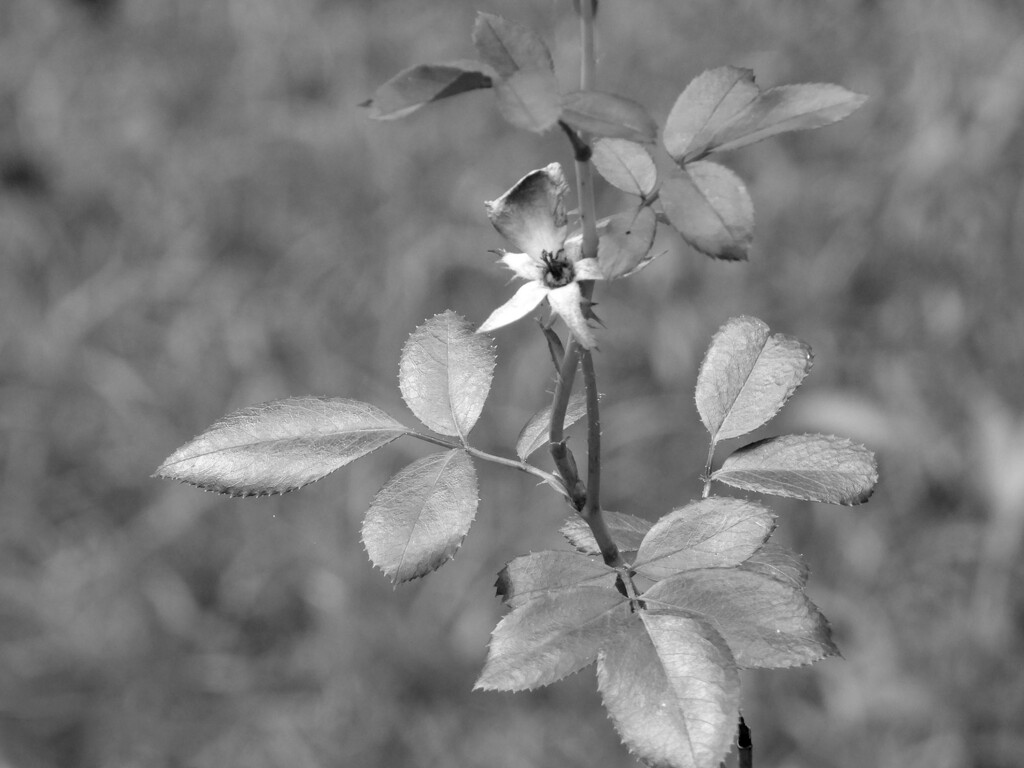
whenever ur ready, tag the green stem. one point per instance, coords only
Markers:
(586, 499)
(522, 466)
(707, 472)
(560, 453)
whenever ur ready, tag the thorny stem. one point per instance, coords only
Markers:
(744, 745)
(560, 452)
(586, 502)
(707, 472)
(522, 466)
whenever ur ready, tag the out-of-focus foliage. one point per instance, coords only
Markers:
(196, 216)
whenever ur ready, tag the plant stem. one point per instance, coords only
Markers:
(707, 472)
(744, 745)
(560, 452)
(586, 499)
(522, 466)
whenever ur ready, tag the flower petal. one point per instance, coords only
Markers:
(588, 269)
(565, 301)
(532, 215)
(522, 303)
(524, 265)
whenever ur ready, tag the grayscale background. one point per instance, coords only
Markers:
(195, 215)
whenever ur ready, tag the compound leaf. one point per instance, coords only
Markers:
(764, 621)
(811, 467)
(445, 373)
(530, 99)
(625, 242)
(509, 47)
(779, 563)
(626, 165)
(604, 114)
(746, 376)
(672, 690)
(789, 108)
(280, 446)
(552, 636)
(710, 207)
(418, 520)
(627, 532)
(541, 573)
(535, 432)
(411, 88)
(717, 532)
(723, 109)
(705, 108)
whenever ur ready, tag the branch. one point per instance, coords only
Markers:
(522, 466)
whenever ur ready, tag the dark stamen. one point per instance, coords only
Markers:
(558, 270)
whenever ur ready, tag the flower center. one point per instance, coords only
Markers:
(558, 270)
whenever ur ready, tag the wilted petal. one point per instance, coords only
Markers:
(532, 215)
(566, 302)
(588, 269)
(524, 265)
(522, 303)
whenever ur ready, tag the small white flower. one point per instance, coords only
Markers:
(532, 217)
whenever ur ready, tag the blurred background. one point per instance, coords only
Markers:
(196, 216)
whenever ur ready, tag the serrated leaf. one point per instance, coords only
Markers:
(541, 573)
(764, 621)
(672, 691)
(627, 532)
(723, 109)
(445, 373)
(789, 108)
(411, 88)
(626, 165)
(625, 242)
(552, 636)
(747, 375)
(779, 563)
(535, 432)
(811, 467)
(710, 207)
(280, 446)
(604, 114)
(707, 105)
(509, 47)
(530, 99)
(717, 532)
(418, 520)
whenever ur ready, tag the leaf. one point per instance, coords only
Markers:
(604, 114)
(627, 531)
(418, 520)
(779, 563)
(765, 622)
(626, 165)
(722, 109)
(625, 242)
(411, 88)
(672, 691)
(530, 99)
(280, 446)
(707, 105)
(552, 636)
(509, 47)
(542, 573)
(790, 108)
(710, 207)
(746, 376)
(445, 373)
(535, 432)
(811, 467)
(717, 532)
